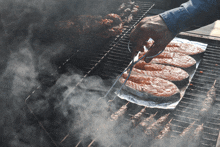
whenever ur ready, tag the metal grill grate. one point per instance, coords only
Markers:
(117, 45)
(112, 60)
(188, 109)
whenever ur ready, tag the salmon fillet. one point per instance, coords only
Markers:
(148, 66)
(184, 48)
(151, 85)
(162, 71)
(174, 59)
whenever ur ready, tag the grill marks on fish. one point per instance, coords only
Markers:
(151, 85)
(155, 127)
(173, 59)
(184, 48)
(119, 113)
(209, 100)
(162, 71)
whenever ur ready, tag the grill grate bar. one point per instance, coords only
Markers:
(209, 139)
(207, 130)
(212, 50)
(213, 56)
(201, 89)
(195, 100)
(193, 95)
(118, 57)
(207, 65)
(197, 91)
(178, 129)
(214, 135)
(185, 117)
(203, 144)
(210, 62)
(204, 75)
(208, 71)
(181, 122)
(182, 111)
(213, 124)
(191, 101)
(190, 104)
(114, 66)
(209, 81)
(195, 114)
(185, 107)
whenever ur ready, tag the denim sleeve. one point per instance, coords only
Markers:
(191, 15)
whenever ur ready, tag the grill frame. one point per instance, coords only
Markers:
(195, 94)
(100, 63)
(190, 103)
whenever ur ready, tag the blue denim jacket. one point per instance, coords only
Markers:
(191, 15)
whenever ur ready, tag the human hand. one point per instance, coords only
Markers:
(151, 27)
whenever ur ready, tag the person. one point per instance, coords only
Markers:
(164, 27)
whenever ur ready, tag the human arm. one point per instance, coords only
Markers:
(191, 15)
(164, 27)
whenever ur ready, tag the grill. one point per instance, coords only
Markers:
(188, 109)
(115, 57)
(97, 61)
(201, 83)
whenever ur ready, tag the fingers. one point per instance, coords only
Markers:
(148, 44)
(154, 50)
(138, 47)
(150, 27)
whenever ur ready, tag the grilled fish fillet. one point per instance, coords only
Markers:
(151, 88)
(173, 59)
(170, 73)
(184, 48)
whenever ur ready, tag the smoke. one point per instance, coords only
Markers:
(40, 103)
(17, 80)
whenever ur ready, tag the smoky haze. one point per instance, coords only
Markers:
(35, 110)
(40, 105)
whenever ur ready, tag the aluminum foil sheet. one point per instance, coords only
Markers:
(123, 94)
